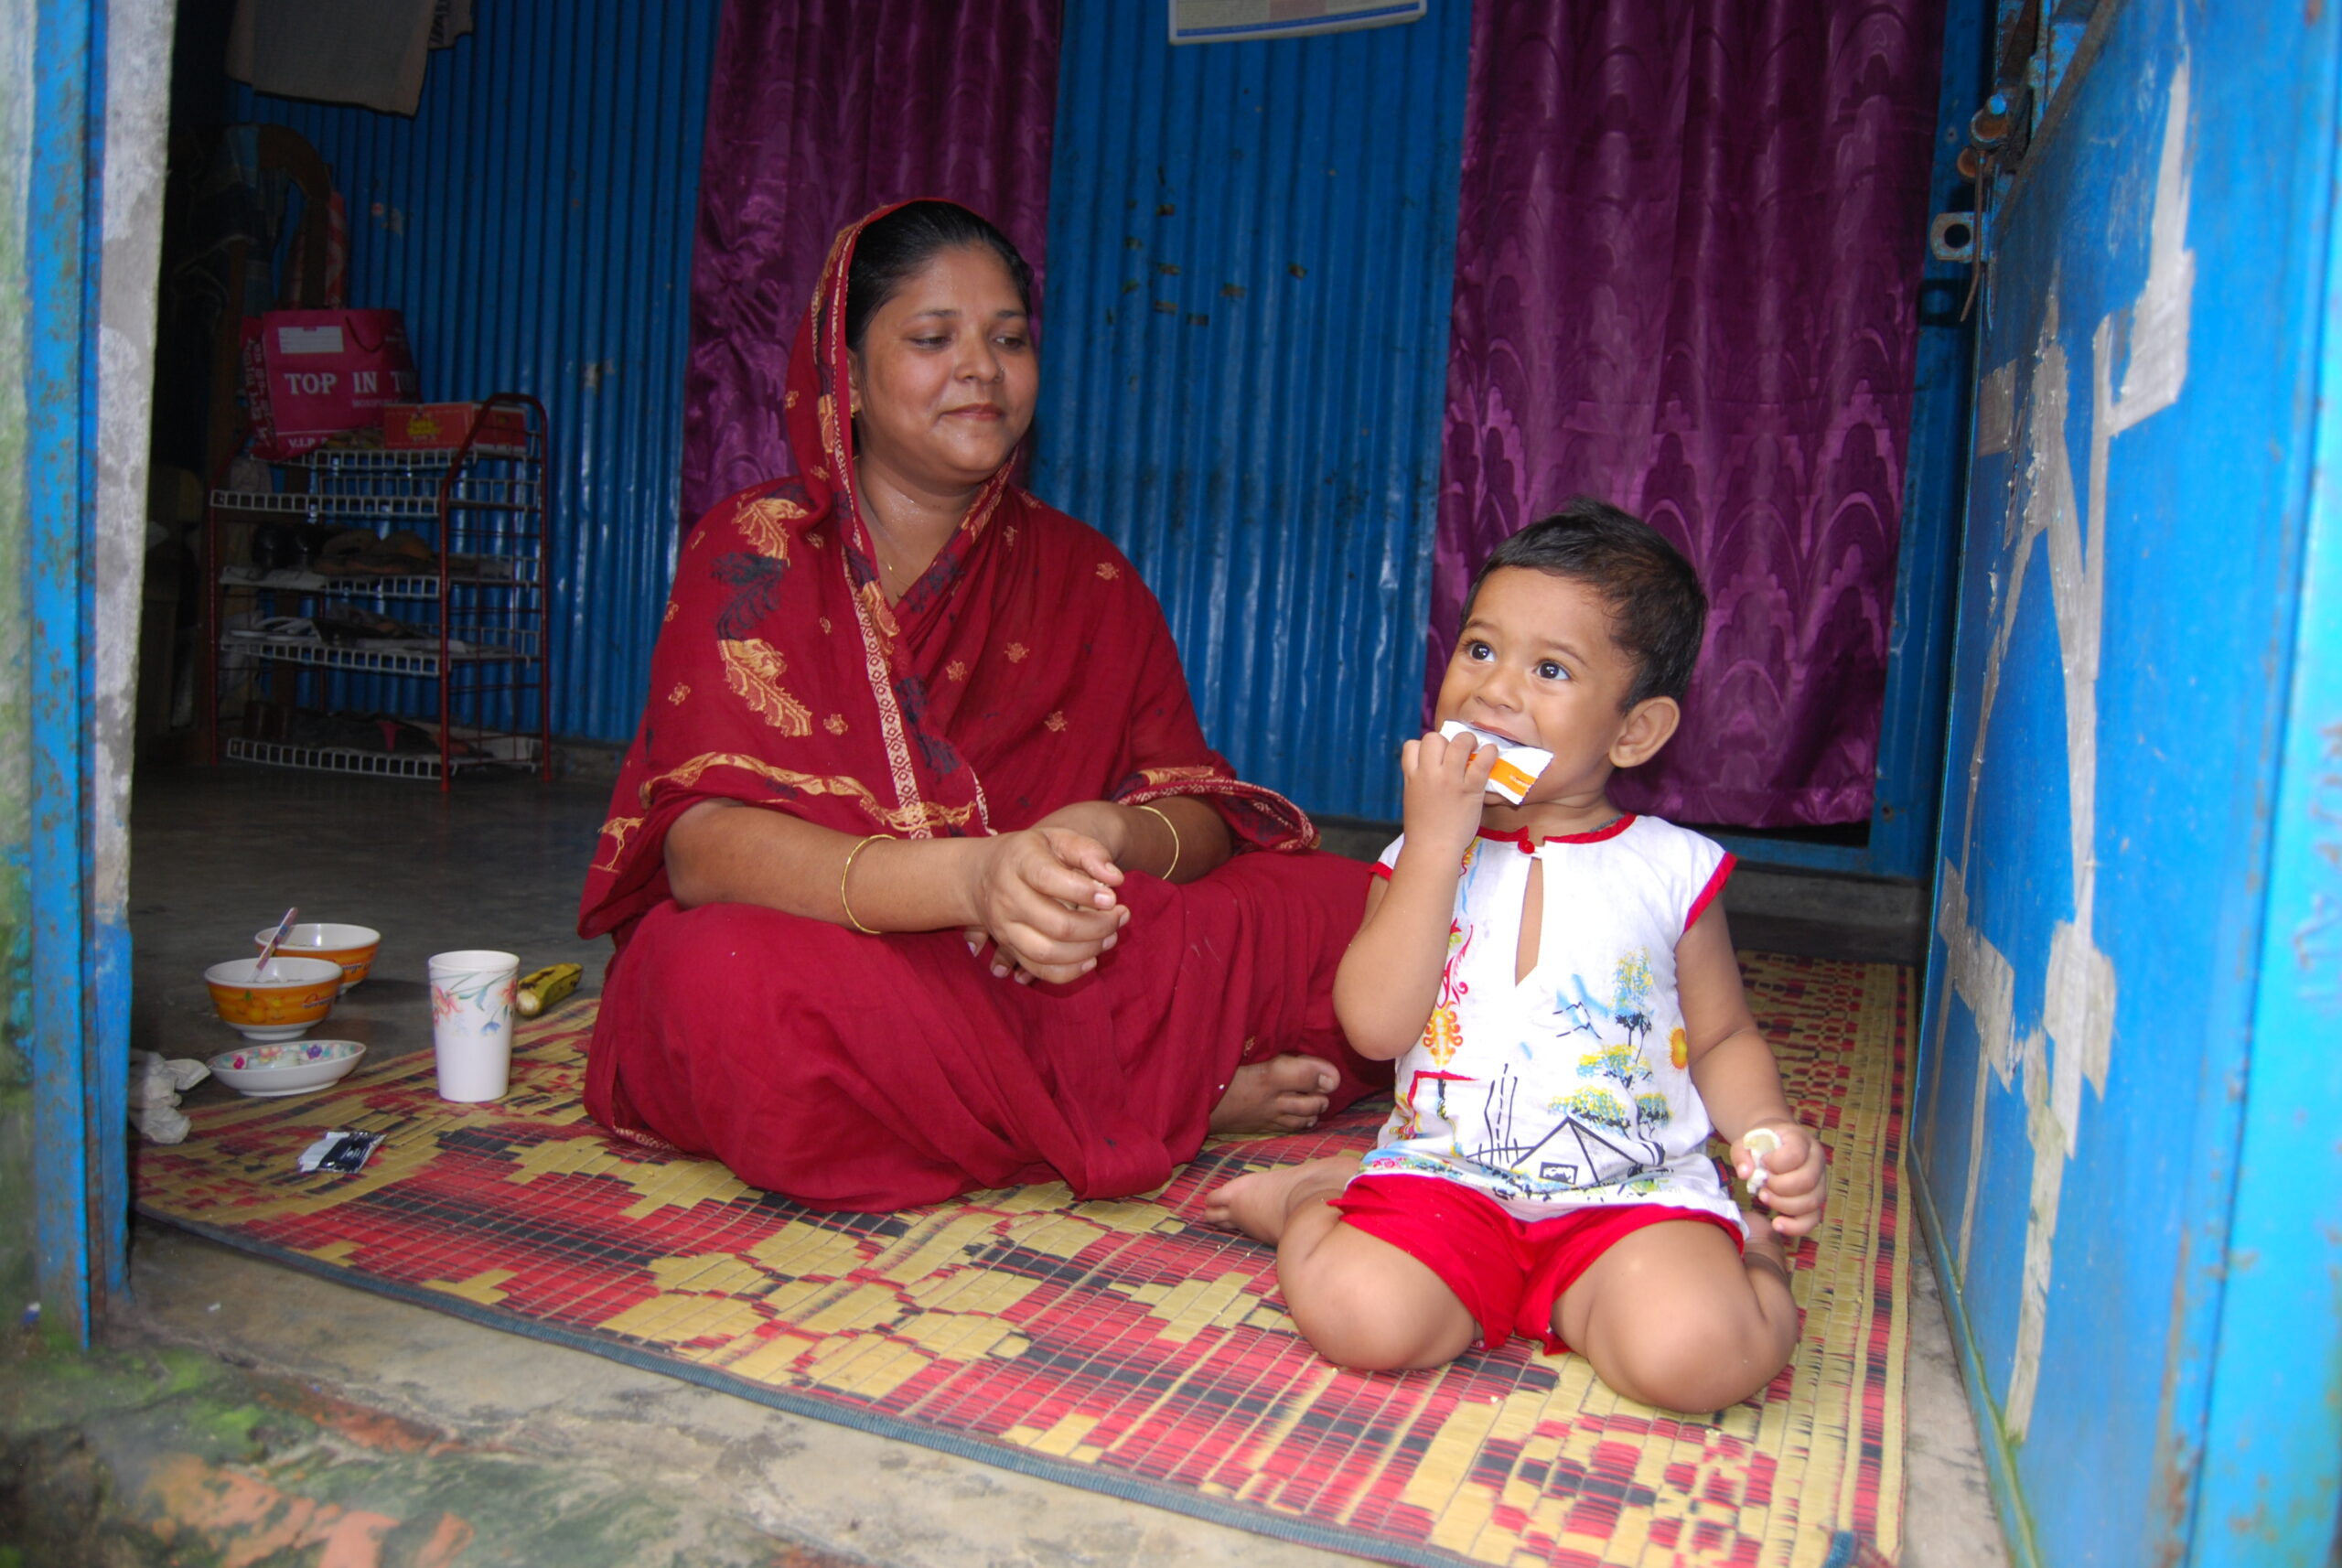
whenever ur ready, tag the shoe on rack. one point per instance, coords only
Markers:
(399, 554)
(274, 547)
(348, 732)
(350, 623)
(276, 629)
(341, 553)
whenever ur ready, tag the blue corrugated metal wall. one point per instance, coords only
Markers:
(1244, 361)
(534, 221)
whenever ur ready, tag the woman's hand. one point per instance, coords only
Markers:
(1046, 897)
(1441, 800)
(1791, 1163)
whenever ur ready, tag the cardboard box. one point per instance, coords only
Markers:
(311, 374)
(442, 426)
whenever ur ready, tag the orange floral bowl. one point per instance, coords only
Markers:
(283, 1001)
(352, 947)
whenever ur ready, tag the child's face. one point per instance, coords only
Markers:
(1536, 663)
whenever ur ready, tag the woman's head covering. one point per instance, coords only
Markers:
(1028, 668)
(821, 435)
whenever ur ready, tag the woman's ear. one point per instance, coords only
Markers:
(1649, 725)
(853, 385)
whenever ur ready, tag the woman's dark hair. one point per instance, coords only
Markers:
(890, 252)
(1657, 611)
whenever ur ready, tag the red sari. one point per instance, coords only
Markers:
(1027, 669)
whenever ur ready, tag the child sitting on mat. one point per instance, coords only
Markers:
(1559, 985)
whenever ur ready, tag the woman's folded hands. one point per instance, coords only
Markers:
(1046, 900)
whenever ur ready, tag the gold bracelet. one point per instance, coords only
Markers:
(1175, 842)
(858, 849)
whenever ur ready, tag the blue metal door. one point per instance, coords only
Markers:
(2128, 1095)
(83, 179)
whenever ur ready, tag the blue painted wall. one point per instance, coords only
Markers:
(534, 221)
(1251, 249)
(2126, 1104)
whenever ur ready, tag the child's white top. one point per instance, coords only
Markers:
(1571, 1088)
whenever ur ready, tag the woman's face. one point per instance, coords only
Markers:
(944, 381)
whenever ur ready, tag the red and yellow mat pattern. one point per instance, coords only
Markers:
(1123, 1346)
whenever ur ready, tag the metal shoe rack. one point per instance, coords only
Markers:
(444, 656)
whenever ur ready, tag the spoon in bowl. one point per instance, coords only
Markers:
(260, 965)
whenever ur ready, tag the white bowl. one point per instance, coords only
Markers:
(289, 1066)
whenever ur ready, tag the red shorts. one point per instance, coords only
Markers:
(1510, 1274)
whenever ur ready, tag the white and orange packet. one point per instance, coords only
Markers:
(1517, 765)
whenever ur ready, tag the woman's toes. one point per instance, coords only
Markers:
(1283, 1094)
(1303, 1075)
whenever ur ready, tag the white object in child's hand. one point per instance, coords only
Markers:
(1756, 1153)
(1517, 765)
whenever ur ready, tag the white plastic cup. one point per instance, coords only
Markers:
(471, 1022)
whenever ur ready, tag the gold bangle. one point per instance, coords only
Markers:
(847, 871)
(1175, 842)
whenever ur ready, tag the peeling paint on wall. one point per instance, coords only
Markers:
(2074, 1042)
(2316, 939)
(15, 717)
(138, 95)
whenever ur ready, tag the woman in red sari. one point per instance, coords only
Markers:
(922, 875)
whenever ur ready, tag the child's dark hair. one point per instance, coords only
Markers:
(1658, 611)
(893, 249)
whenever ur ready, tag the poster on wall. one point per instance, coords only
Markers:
(1237, 21)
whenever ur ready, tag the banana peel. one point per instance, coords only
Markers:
(540, 989)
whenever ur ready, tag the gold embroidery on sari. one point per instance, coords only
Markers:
(679, 694)
(764, 523)
(1017, 652)
(876, 624)
(672, 608)
(753, 668)
(980, 513)
(1055, 721)
(918, 818)
(956, 670)
(881, 617)
(835, 723)
(1185, 774)
(1108, 571)
(616, 829)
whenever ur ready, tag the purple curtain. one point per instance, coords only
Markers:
(819, 110)
(1688, 255)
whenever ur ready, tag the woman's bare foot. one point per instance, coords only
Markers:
(1259, 1202)
(1284, 1094)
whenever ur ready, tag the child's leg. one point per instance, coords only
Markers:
(1359, 1300)
(1675, 1317)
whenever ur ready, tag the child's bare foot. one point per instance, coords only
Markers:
(1284, 1094)
(1259, 1202)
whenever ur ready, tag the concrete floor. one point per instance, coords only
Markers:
(677, 1473)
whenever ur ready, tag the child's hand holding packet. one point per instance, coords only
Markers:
(1516, 766)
